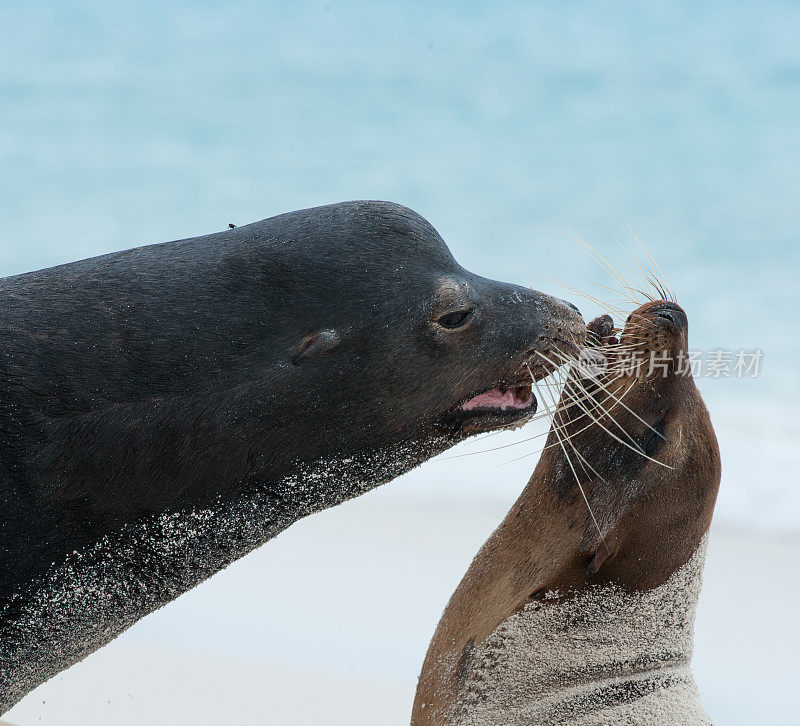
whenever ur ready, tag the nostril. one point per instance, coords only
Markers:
(674, 316)
(574, 307)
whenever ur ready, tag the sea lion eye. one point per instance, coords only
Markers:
(454, 320)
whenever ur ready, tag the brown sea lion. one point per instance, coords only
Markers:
(584, 615)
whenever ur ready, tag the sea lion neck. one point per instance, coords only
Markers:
(98, 592)
(600, 657)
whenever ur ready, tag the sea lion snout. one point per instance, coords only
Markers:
(555, 320)
(560, 337)
(660, 310)
(502, 338)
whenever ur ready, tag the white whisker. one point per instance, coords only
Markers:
(575, 474)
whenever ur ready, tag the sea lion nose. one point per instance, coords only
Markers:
(671, 312)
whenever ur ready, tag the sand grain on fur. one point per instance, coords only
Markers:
(602, 657)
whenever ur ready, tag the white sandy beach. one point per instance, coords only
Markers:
(329, 624)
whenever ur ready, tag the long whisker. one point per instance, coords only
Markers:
(579, 431)
(608, 392)
(649, 279)
(603, 303)
(635, 448)
(610, 268)
(658, 273)
(575, 474)
(585, 463)
(569, 437)
(633, 293)
(633, 443)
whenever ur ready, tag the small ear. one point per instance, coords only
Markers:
(603, 553)
(315, 344)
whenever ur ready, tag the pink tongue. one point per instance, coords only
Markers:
(497, 399)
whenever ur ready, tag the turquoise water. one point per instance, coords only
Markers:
(507, 125)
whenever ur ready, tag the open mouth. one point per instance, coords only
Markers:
(504, 406)
(501, 398)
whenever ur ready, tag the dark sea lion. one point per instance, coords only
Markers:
(553, 622)
(165, 410)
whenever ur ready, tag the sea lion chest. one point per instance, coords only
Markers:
(602, 656)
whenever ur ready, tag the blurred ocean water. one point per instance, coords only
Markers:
(508, 125)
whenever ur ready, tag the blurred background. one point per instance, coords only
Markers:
(510, 126)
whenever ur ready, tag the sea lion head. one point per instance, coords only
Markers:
(400, 337)
(197, 369)
(626, 485)
(650, 456)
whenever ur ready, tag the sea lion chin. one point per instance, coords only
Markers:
(166, 409)
(579, 609)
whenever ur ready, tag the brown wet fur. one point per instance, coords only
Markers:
(652, 518)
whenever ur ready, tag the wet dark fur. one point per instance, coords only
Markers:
(201, 373)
